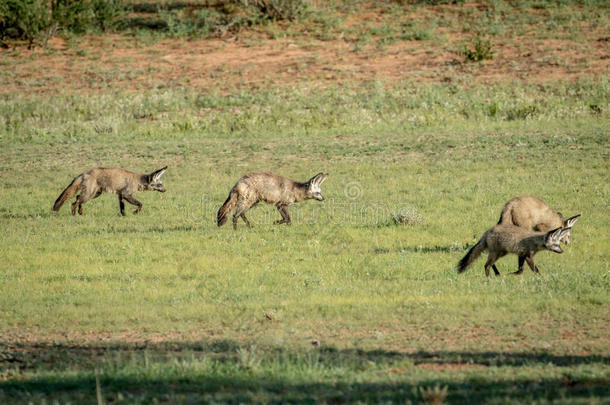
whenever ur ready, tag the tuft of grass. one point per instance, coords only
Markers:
(406, 216)
(433, 395)
(294, 112)
(478, 49)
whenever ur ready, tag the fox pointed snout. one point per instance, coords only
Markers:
(318, 197)
(556, 249)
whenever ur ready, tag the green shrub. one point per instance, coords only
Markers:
(26, 19)
(108, 14)
(205, 22)
(479, 49)
(38, 20)
(290, 10)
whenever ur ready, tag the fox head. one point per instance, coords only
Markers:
(154, 180)
(554, 237)
(567, 224)
(313, 188)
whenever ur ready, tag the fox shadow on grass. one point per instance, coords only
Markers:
(156, 229)
(244, 385)
(421, 249)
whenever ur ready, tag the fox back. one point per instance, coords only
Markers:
(116, 180)
(112, 180)
(530, 212)
(276, 189)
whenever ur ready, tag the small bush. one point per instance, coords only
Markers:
(478, 50)
(290, 10)
(108, 14)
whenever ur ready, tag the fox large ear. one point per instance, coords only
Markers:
(319, 178)
(156, 175)
(571, 221)
(555, 233)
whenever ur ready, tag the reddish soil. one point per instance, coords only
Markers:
(123, 63)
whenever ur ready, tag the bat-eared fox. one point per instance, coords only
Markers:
(503, 239)
(271, 188)
(123, 182)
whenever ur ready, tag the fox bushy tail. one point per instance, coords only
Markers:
(501, 218)
(472, 255)
(68, 192)
(505, 215)
(223, 212)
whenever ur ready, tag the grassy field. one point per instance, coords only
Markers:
(345, 305)
(166, 305)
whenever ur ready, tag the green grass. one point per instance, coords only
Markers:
(167, 306)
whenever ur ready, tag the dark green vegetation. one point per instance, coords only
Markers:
(36, 21)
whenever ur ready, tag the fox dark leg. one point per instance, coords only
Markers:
(121, 205)
(235, 217)
(133, 201)
(490, 262)
(285, 216)
(280, 221)
(493, 266)
(243, 216)
(521, 261)
(85, 195)
(530, 262)
(75, 204)
(240, 211)
(80, 200)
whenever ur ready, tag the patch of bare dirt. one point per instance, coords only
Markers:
(117, 63)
